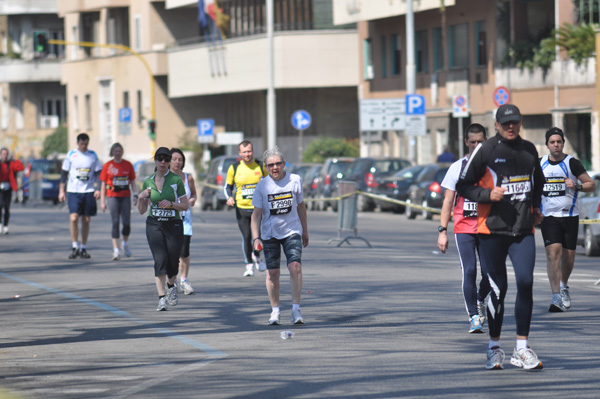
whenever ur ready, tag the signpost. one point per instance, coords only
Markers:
(125, 121)
(460, 110)
(206, 129)
(501, 96)
(384, 114)
(301, 121)
(416, 122)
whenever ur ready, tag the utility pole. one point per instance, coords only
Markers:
(271, 105)
(411, 71)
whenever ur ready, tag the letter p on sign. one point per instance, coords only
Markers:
(415, 104)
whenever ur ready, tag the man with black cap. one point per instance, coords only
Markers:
(561, 216)
(505, 178)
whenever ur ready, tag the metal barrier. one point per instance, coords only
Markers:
(347, 214)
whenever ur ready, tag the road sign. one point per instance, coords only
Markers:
(415, 104)
(501, 96)
(416, 125)
(301, 120)
(206, 129)
(385, 114)
(230, 138)
(460, 106)
(125, 121)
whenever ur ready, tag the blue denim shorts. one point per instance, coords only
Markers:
(292, 248)
(83, 204)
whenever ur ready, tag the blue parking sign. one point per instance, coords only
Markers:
(206, 129)
(415, 104)
(124, 114)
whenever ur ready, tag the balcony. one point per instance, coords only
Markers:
(21, 71)
(563, 73)
(74, 6)
(20, 7)
(303, 59)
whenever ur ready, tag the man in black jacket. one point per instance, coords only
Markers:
(504, 176)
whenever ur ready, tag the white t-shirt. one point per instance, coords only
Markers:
(279, 203)
(82, 168)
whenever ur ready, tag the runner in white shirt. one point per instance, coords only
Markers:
(82, 169)
(279, 220)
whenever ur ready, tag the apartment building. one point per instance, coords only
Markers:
(32, 99)
(191, 75)
(472, 48)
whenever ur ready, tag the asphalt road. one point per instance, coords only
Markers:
(381, 322)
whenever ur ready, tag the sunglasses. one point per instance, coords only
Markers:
(272, 165)
(165, 158)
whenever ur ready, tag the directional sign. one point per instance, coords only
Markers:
(416, 125)
(206, 129)
(415, 104)
(301, 120)
(501, 96)
(385, 114)
(125, 121)
(460, 106)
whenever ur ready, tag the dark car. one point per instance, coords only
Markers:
(331, 172)
(44, 179)
(398, 185)
(429, 194)
(367, 173)
(211, 197)
(309, 172)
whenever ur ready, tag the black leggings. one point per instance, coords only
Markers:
(244, 218)
(5, 198)
(165, 240)
(120, 208)
(493, 250)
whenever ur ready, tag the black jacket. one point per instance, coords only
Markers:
(513, 164)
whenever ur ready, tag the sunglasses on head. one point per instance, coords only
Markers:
(271, 165)
(165, 158)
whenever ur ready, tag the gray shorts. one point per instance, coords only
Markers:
(292, 248)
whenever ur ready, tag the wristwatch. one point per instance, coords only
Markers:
(578, 187)
(442, 228)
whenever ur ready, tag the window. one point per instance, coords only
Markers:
(383, 57)
(368, 59)
(396, 54)
(75, 38)
(481, 47)
(88, 112)
(138, 32)
(76, 113)
(438, 50)
(458, 46)
(421, 51)
(125, 99)
(139, 108)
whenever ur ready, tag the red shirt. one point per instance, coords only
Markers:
(118, 177)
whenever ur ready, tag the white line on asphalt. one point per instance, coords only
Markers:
(210, 351)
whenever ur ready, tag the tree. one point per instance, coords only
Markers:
(57, 142)
(325, 147)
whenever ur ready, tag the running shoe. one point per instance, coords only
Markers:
(557, 304)
(297, 317)
(527, 359)
(566, 298)
(172, 296)
(115, 256)
(162, 304)
(74, 254)
(185, 287)
(482, 312)
(127, 251)
(495, 358)
(249, 270)
(475, 325)
(274, 318)
(84, 254)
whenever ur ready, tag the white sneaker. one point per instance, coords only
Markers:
(297, 317)
(127, 251)
(249, 270)
(274, 319)
(172, 296)
(527, 359)
(115, 256)
(185, 287)
(162, 304)
(4, 229)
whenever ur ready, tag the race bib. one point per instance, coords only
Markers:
(517, 187)
(247, 191)
(120, 181)
(163, 214)
(555, 186)
(470, 209)
(83, 174)
(280, 203)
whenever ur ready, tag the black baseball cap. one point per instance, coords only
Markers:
(162, 151)
(552, 131)
(508, 113)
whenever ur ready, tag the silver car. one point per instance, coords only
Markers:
(589, 209)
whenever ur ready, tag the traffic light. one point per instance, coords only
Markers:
(152, 129)
(40, 42)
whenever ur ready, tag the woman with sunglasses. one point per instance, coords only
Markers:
(117, 177)
(177, 165)
(164, 194)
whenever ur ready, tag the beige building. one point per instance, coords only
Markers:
(316, 69)
(32, 100)
(472, 49)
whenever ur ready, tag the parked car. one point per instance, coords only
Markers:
(331, 172)
(429, 194)
(397, 186)
(143, 170)
(589, 208)
(217, 175)
(44, 179)
(367, 173)
(308, 172)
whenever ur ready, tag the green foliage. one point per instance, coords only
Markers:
(326, 147)
(578, 41)
(188, 142)
(56, 142)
